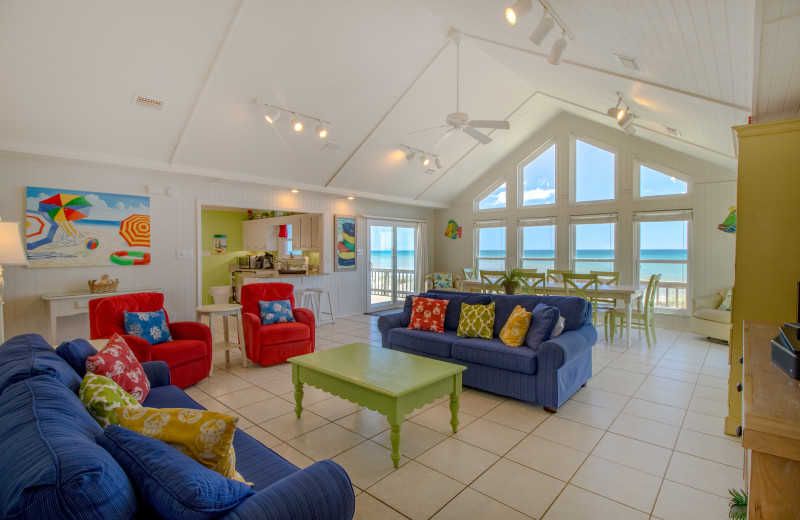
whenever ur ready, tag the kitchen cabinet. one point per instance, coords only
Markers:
(262, 234)
(309, 232)
(316, 232)
(259, 235)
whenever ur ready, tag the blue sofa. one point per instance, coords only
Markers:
(52, 467)
(544, 370)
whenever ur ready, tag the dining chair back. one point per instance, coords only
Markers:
(533, 283)
(556, 275)
(470, 273)
(492, 282)
(643, 318)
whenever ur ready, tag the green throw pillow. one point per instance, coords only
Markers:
(726, 302)
(476, 321)
(100, 395)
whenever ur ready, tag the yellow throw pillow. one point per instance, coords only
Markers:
(203, 435)
(516, 328)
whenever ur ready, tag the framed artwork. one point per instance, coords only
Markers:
(220, 244)
(67, 228)
(344, 232)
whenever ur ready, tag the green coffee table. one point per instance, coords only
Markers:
(390, 382)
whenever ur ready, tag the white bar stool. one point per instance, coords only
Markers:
(317, 294)
(305, 299)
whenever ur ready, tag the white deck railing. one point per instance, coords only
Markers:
(381, 282)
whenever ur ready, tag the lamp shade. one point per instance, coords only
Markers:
(11, 249)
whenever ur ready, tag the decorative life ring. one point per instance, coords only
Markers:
(130, 258)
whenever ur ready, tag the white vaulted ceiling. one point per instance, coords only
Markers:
(379, 71)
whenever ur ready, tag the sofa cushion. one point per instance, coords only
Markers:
(29, 355)
(494, 353)
(453, 314)
(51, 465)
(172, 484)
(100, 395)
(423, 341)
(543, 321)
(117, 362)
(284, 333)
(180, 351)
(151, 326)
(476, 321)
(75, 353)
(713, 315)
(427, 314)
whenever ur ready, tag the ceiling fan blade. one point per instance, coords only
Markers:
(426, 129)
(481, 138)
(445, 136)
(500, 125)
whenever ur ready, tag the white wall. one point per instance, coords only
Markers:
(714, 190)
(174, 227)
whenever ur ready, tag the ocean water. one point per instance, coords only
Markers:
(669, 272)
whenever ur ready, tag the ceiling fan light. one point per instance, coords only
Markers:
(515, 11)
(627, 119)
(271, 114)
(546, 25)
(557, 52)
(322, 132)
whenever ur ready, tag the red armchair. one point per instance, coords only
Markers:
(275, 343)
(188, 356)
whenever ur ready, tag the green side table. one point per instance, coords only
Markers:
(390, 382)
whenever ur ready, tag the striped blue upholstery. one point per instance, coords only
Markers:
(75, 353)
(49, 462)
(29, 355)
(495, 353)
(424, 341)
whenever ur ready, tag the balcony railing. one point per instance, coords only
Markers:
(381, 282)
(670, 295)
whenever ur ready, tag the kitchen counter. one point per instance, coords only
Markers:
(271, 273)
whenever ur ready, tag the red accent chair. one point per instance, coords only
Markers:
(277, 342)
(188, 356)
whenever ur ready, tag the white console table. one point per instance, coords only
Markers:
(70, 304)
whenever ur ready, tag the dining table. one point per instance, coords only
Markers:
(626, 293)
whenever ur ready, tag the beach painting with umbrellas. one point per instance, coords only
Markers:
(67, 228)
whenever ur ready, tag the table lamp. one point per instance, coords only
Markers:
(11, 253)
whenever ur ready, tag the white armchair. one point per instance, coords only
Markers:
(709, 321)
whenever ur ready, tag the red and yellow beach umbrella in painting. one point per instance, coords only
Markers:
(64, 209)
(136, 230)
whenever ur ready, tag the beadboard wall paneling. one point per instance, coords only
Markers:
(174, 227)
(712, 251)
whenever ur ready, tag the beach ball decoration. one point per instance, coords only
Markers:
(91, 243)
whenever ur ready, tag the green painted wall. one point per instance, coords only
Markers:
(215, 266)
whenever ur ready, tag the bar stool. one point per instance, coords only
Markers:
(305, 298)
(317, 293)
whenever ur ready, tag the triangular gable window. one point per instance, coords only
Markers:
(653, 183)
(496, 199)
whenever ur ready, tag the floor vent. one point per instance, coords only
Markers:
(628, 62)
(330, 146)
(672, 131)
(145, 101)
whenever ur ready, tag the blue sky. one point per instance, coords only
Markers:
(105, 206)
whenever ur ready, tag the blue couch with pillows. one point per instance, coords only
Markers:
(57, 462)
(545, 369)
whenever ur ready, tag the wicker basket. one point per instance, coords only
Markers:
(104, 285)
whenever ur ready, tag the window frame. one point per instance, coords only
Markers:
(664, 216)
(485, 224)
(485, 193)
(599, 218)
(521, 175)
(573, 150)
(638, 162)
(522, 223)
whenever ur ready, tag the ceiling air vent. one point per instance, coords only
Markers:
(672, 131)
(145, 101)
(628, 62)
(330, 146)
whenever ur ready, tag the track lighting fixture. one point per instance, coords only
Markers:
(617, 112)
(557, 52)
(438, 163)
(519, 8)
(425, 160)
(424, 157)
(272, 113)
(411, 154)
(627, 119)
(546, 25)
(630, 130)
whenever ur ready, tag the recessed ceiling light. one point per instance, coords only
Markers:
(350, 197)
(295, 191)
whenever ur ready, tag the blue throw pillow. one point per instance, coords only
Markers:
(151, 326)
(279, 311)
(543, 320)
(174, 485)
(75, 353)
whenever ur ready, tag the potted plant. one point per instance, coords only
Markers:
(512, 280)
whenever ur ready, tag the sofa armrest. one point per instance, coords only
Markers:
(565, 364)
(387, 323)
(321, 491)
(252, 336)
(157, 373)
(711, 301)
(557, 352)
(303, 315)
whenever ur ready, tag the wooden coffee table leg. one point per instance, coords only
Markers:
(395, 421)
(454, 404)
(298, 390)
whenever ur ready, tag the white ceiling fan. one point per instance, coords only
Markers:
(460, 121)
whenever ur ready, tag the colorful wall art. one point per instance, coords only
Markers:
(729, 224)
(67, 228)
(345, 239)
(453, 230)
(220, 244)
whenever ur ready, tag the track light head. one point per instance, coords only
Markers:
(320, 129)
(630, 130)
(297, 124)
(411, 154)
(438, 163)
(557, 52)
(271, 114)
(425, 160)
(546, 25)
(519, 8)
(627, 119)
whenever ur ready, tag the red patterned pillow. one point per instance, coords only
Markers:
(117, 362)
(427, 314)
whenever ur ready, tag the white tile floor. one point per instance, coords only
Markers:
(644, 438)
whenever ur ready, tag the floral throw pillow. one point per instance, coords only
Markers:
(726, 302)
(100, 395)
(117, 362)
(476, 321)
(427, 314)
(442, 281)
(279, 311)
(151, 326)
(516, 328)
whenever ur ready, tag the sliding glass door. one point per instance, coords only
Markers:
(392, 260)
